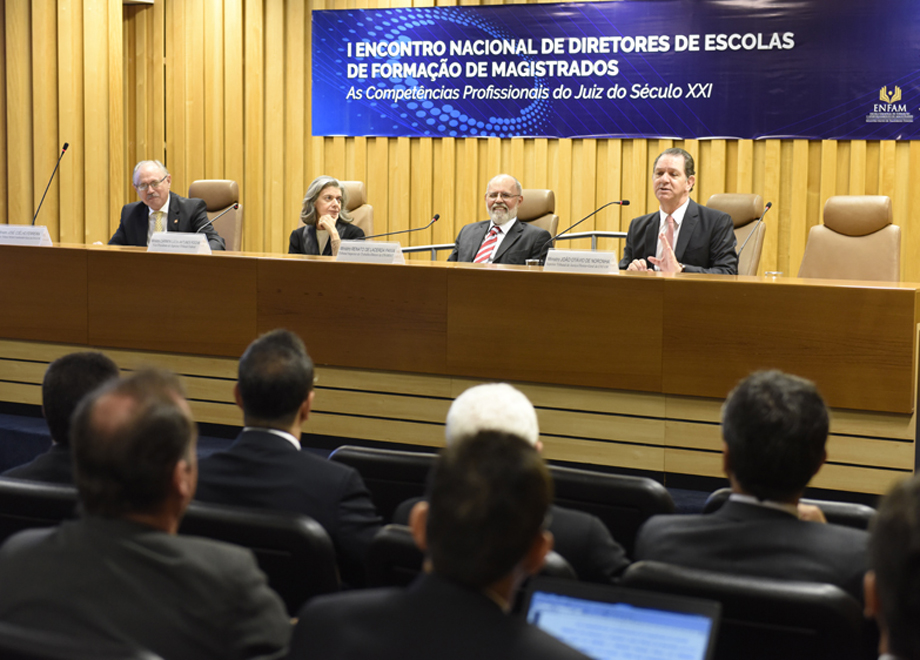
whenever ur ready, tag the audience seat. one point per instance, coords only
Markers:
(293, 550)
(219, 195)
(17, 643)
(539, 209)
(764, 619)
(28, 504)
(745, 209)
(361, 212)
(849, 514)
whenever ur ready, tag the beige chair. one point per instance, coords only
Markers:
(539, 209)
(361, 212)
(856, 242)
(744, 209)
(219, 195)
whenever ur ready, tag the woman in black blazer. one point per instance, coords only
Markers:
(326, 222)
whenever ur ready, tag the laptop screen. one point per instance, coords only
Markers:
(614, 623)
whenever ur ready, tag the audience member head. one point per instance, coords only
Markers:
(133, 441)
(275, 380)
(488, 497)
(503, 196)
(775, 428)
(892, 590)
(492, 407)
(67, 380)
(315, 204)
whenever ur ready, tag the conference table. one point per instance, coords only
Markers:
(626, 370)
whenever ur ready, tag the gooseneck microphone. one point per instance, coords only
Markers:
(622, 202)
(63, 151)
(227, 210)
(404, 231)
(754, 229)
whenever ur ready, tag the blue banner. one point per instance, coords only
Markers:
(629, 69)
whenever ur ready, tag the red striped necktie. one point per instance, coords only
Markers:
(488, 246)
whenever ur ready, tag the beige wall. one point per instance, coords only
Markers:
(221, 89)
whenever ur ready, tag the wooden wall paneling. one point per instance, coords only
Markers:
(772, 171)
(798, 207)
(45, 145)
(356, 159)
(712, 175)
(910, 229)
(516, 166)
(378, 182)
(195, 146)
(275, 121)
(400, 155)
(253, 128)
(99, 187)
(857, 179)
(420, 190)
(901, 190)
(119, 186)
(135, 88)
(234, 107)
(581, 181)
(175, 93)
(446, 197)
(296, 118)
(19, 112)
(744, 171)
(214, 90)
(829, 175)
(470, 203)
(70, 121)
(4, 60)
(873, 167)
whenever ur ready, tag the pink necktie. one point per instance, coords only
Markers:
(669, 232)
(488, 246)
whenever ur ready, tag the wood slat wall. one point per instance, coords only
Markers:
(221, 89)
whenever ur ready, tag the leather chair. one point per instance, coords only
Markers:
(744, 209)
(293, 550)
(219, 195)
(361, 212)
(765, 619)
(28, 504)
(393, 559)
(539, 209)
(856, 242)
(849, 514)
(18, 643)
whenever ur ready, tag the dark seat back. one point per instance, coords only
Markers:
(28, 504)
(293, 550)
(849, 514)
(17, 643)
(765, 618)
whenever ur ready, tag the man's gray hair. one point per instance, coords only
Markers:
(492, 407)
(148, 162)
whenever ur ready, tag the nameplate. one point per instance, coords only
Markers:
(581, 261)
(369, 252)
(179, 242)
(25, 235)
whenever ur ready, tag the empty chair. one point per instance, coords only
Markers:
(28, 504)
(744, 209)
(849, 514)
(856, 242)
(293, 550)
(219, 195)
(361, 212)
(539, 209)
(768, 619)
(17, 643)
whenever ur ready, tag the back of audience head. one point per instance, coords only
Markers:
(775, 428)
(129, 438)
(67, 380)
(892, 588)
(488, 498)
(492, 407)
(275, 378)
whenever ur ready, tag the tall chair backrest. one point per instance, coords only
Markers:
(361, 212)
(622, 502)
(856, 242)
(744, 209)
(293, 550)
(219, 195)
(765, 619)
(539, 209)
(849, 514)
(18, 643)
(28, 504)
(392, 476)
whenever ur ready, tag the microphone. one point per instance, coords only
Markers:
(404, 231)
(754, 229)
(63, 151)
(235, 206)
(622, 202)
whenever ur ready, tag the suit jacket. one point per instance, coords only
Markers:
(432, 618)
(265, 471)
(178, 596)
(706, 243)
(187, 215)
(54, 466)
(524, 241)
(753, 540)
(304, 241)
(581, 538)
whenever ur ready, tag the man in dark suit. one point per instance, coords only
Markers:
(67, 380)
(581, 538)
(774, 428)
(121, 573)
(265, 466)
(482, 533)
(503, 239)
(161, 210)
(682, 236)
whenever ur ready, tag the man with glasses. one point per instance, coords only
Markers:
(502, 239)
(161, 210)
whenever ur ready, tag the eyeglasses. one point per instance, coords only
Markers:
(492, 196)
(143, 186)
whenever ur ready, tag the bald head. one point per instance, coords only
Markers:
(492, 407)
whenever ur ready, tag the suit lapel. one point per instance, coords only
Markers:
(513, 234)
(691, 220)
(651, 237)
(172, 219)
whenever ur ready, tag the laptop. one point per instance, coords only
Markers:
(617, 623)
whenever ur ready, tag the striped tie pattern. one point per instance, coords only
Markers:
(488, 246)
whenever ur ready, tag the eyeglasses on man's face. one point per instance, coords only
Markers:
(492, 196)
(142, 187)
